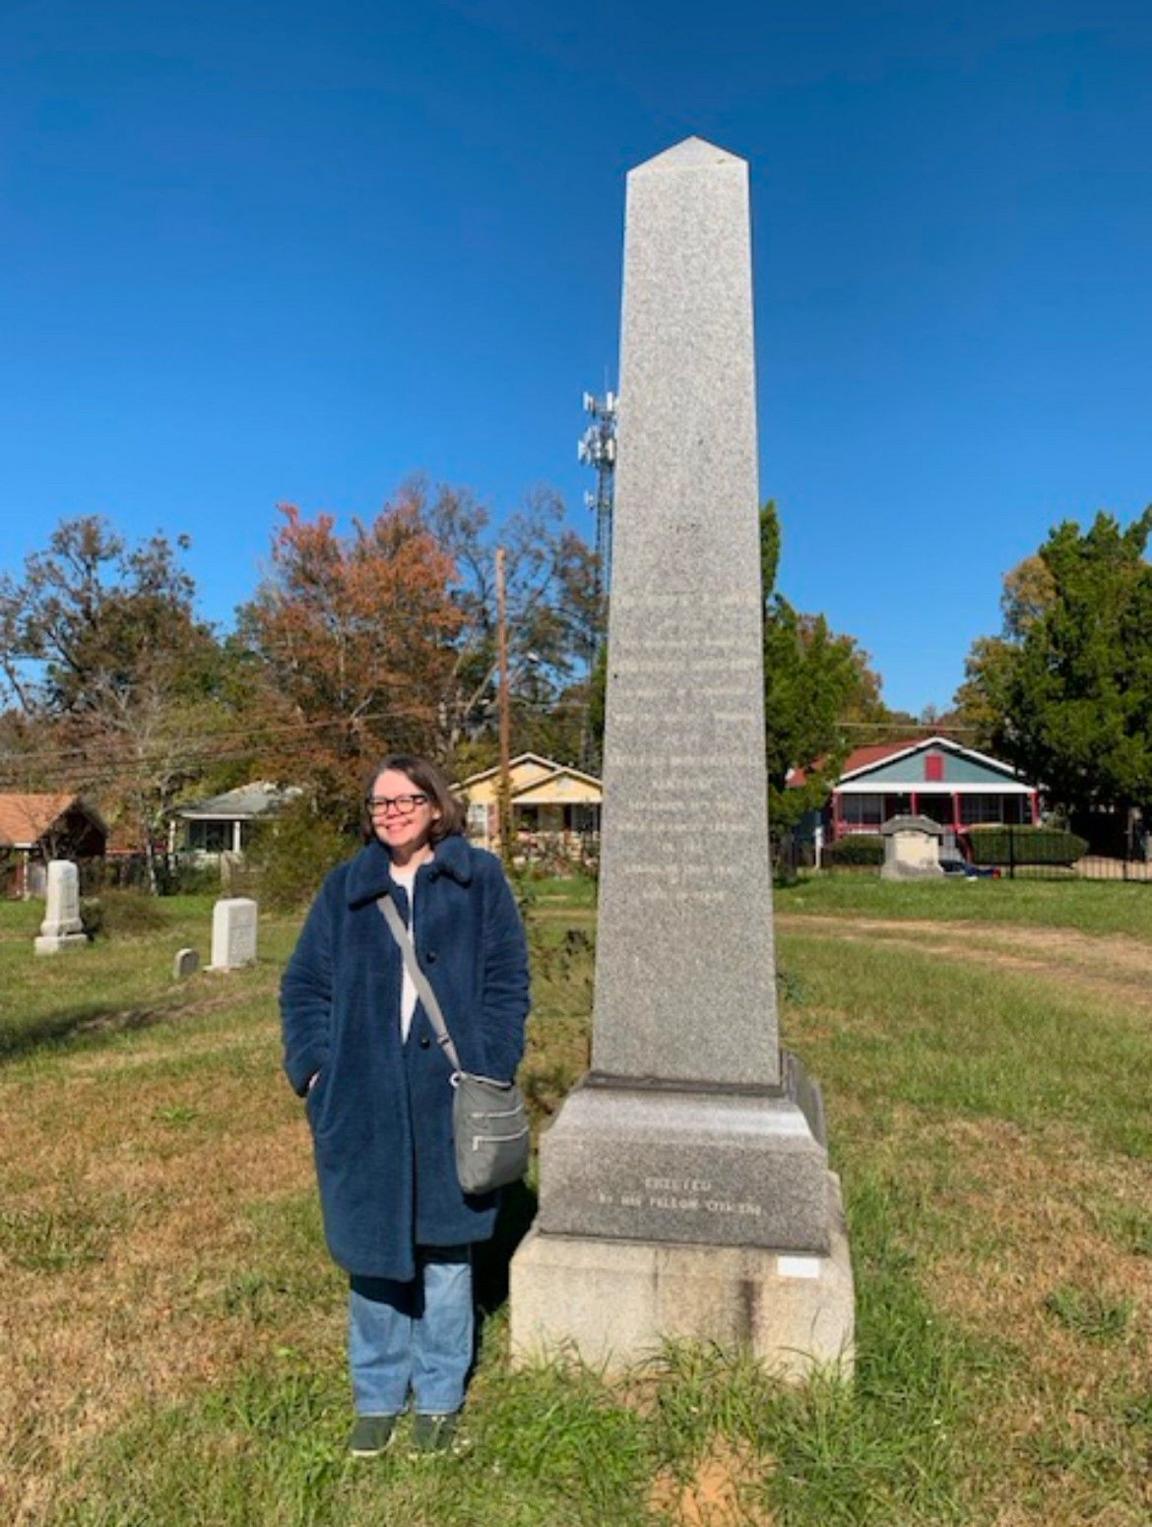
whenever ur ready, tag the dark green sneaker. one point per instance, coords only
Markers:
(436, 1434)
(371, 1435)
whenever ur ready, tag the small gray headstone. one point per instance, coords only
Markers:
(233, 933)
(186, 963)
(61, 928)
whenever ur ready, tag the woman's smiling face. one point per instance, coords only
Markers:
(402, 814)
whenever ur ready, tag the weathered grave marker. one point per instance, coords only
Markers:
(233, 933)
(911, 848)
(61, 928)
(684, 1187)
(186, 963)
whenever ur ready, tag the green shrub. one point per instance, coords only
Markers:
(118, 914)
(291, 854)
(1025, 845)
(191, 879)
(857, 848)
(92, 916)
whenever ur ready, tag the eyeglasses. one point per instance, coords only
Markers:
(402, 805)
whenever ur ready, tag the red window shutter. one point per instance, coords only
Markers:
(933, 766)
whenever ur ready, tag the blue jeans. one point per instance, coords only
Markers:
(412, 1336)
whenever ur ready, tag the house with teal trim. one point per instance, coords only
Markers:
(929, 776)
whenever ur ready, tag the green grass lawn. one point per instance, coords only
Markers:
(1086, 905)
(173, 1327)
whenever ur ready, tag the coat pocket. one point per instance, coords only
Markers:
(314, 1098)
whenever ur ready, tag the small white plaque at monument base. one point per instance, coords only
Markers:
(61, 928)
(233, 933)
(798, 1267)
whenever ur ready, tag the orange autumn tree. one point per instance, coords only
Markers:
(353, 637)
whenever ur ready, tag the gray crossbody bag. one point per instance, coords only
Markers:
(489, 1122)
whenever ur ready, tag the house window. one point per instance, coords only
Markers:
(977, 809)
(862, 811)
(933, 768)
(210, 837)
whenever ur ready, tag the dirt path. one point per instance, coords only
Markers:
(1108, 964)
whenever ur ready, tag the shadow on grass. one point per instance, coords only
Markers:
(92, 1020)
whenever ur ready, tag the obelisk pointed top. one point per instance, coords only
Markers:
(690, 154)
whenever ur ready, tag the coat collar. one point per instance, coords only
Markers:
(369, 872)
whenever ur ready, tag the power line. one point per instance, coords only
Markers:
(253, 733)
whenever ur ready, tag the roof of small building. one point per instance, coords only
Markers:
(252, 800)
(549, 765)
(26, 817)
(861, 759)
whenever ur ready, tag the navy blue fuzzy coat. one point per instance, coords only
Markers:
(381, 1111)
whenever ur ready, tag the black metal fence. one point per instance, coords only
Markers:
(998, 852)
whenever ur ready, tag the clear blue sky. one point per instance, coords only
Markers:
(256, 252)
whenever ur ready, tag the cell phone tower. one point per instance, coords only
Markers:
(597, 449)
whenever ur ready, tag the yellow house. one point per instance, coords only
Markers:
(555, 808)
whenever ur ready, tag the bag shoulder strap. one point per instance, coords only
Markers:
(419, 980)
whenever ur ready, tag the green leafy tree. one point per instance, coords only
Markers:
(110, 673)
(1065, 692)
(87, 616)
(815, 681)
(981, 702)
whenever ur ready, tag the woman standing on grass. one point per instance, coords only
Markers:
(358, 1045)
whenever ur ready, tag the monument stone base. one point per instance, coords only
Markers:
(612, 1302)
(53, 943)
(911, 871)
(727, 1166)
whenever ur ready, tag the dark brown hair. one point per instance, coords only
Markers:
(431, 781)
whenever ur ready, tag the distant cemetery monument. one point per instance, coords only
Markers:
(684, 1186)
(911, 848)
(61, 928)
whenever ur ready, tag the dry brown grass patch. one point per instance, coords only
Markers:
(152, 1182)
(1108, 966)
(717, 1494)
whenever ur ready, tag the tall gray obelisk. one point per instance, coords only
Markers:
(684, 1187)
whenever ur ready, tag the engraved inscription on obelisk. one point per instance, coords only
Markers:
(685, 970)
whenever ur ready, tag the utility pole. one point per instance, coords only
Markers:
(504, 791)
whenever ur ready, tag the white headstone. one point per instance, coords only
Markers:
(233, 933)
(61, 928)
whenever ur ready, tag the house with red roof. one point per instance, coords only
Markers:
(926, 776)
(36, 827)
